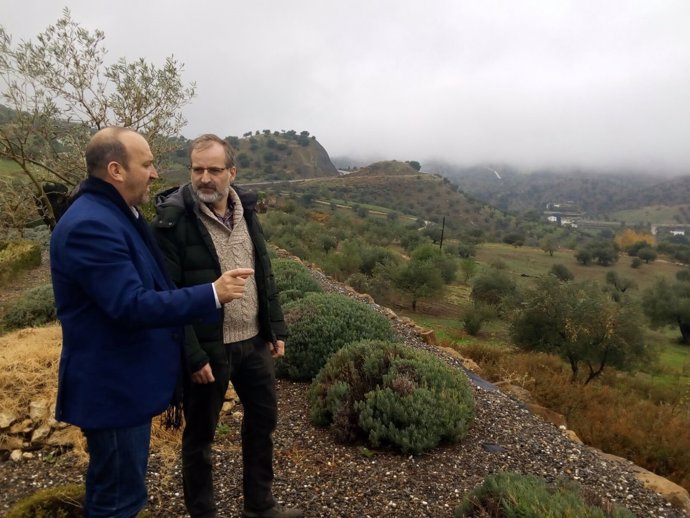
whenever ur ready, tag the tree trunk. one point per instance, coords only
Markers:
(684, 331)
(574, 368)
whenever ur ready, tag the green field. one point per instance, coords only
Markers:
(444, 315)
(658, 214)
(527, 261)
(8, 168)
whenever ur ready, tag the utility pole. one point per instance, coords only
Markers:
(443, 226)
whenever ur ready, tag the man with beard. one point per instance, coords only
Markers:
(206, 227)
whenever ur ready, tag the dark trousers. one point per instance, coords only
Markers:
(116, 476)
(251, 370)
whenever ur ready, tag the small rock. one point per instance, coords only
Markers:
(16, 455)
(23, 427)
(38, 410)
(428, 336)
(365, 297)
(10, 442)
(492, 447)
(570, 434)
(40, 433)
(231, 395)
(6, 420)
(65, 437)
(389, 313)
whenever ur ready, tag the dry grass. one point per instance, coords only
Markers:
(28, 367)
(29, 360)
(608, 414)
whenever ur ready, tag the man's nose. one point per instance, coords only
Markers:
(154, 173)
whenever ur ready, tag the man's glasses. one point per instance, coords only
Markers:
(211, 170)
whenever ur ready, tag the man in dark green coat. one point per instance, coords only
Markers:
(206, 227)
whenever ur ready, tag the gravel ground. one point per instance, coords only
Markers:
(332, 480)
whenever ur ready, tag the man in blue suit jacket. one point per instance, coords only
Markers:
(121, 320)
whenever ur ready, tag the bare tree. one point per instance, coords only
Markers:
(59, 91)
(17, 208)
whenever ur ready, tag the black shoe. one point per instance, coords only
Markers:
(277, 511)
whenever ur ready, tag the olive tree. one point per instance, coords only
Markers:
(582, 324)
(59, 90)
(669, 304)
(420, 279)
(17, 208)
(491, 287)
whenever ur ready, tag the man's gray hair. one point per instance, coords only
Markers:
(206, 140)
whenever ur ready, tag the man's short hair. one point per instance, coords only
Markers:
(206, 140)
(105, 147)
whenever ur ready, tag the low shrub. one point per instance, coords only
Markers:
(561, 272)
(491, 287)
(18, 255)
(511, 495)
(293, 280)
(683, 275)
(286, 296)
(320, 324)
(35, 308)
(391, 394)
(360, 282)
(55, 502)
(475, 316)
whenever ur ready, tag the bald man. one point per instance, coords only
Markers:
(121, 320)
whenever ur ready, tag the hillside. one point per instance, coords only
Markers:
(329, 479)
(423, 196)
(392, 186)
(598, 194)
(385, 168)
(264, 156)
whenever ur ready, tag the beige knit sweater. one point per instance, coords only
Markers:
(235, 250)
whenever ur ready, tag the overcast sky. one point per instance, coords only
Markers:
(601, 83)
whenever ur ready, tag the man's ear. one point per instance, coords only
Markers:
(115, 172)
(233, 174)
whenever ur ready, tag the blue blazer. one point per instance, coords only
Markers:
(121, 316)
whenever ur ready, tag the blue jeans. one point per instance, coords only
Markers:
(116, 476)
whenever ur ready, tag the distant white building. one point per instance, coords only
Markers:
(674, 230)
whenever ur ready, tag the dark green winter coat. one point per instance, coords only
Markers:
(192, 260)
